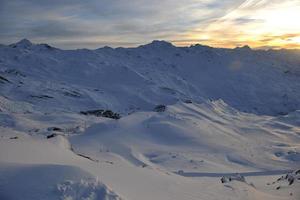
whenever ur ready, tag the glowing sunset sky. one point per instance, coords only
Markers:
(95, 23)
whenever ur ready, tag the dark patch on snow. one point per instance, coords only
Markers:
(51, 136)
(72, 94)
(102, 113)
(286, 180)
(236, 177)
(290, 177)
(54, 129)
(15, 72)
(160, 108)
(4, 80)
(42, 96)
(188, 101)
(87, 157)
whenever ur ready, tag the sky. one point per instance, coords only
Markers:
(73, 24)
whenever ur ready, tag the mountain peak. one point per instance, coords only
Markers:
(159, 44)
(245, 47)
(24, 43)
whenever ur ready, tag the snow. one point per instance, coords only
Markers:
(62, 182)
(227, 111)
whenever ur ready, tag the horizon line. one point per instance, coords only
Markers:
(137, 45)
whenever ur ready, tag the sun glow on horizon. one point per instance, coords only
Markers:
(259, 26)
(72, 24)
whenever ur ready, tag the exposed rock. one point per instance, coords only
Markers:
(3, 80)
(102, 113)
(110, 114)
(97, 113)
(188, 101)
(51, 136)
(290, 178)
(160, 108)
(41, 96)
(55, 129)
(236, 177)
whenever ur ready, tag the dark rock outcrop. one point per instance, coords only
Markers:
(160, 108)
(102, 113)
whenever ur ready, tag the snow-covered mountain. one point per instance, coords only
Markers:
(189, 115)
(263, 82)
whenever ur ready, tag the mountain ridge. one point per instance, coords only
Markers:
(158, 43)
(263, 82)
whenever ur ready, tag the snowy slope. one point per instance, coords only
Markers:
(208, 137)
(227, 111)
(263, 82)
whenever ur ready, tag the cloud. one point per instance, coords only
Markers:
(93, 23)
(244, 20)
(125, 21)
(255, 23)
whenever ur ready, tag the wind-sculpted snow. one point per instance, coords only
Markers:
(85, 189)
(51, 182)
(216, 134)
